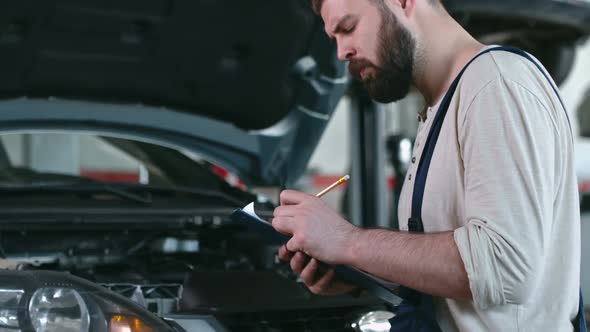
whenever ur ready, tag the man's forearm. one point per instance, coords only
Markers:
(429, 263)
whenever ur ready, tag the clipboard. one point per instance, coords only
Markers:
(382, 289)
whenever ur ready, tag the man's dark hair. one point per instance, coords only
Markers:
(317, 4)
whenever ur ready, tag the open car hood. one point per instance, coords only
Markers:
(249, 85)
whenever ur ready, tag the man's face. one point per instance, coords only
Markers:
(380, 51)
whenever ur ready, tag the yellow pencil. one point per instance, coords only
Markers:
(333, 185)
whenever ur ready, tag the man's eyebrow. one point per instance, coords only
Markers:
(339, 26)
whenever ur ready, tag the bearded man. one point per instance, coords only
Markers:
(500, 249)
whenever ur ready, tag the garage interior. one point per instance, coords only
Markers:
(139, 97)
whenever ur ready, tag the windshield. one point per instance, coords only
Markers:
(53, 157)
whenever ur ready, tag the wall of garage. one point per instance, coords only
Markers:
(78, 154)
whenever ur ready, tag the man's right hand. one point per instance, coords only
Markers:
(318, 280)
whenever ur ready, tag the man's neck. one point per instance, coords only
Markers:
(444, 51)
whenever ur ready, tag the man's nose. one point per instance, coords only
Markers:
(345, 52)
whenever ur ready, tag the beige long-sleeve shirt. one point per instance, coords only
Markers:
(502, 178)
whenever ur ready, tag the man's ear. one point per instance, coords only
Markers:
(409, 6)
(406, 6)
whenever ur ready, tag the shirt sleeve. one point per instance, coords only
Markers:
(509, 150)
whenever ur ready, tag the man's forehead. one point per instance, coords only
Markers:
(333, 11)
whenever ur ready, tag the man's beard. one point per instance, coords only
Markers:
(392, 80)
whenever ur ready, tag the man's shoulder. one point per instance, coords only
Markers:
(503, 66)
(511, 87)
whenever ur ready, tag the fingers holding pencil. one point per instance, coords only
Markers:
(314, 228)
(292, 197)
(317, 231)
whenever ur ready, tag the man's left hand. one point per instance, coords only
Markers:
(315, 229)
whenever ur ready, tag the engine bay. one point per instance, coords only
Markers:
(137, 255)
(216, 270)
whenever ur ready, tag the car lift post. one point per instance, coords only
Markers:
(368, 197)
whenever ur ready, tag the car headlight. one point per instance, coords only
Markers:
(58, 309)
(9, 300)
(374, 321)
(43, 301)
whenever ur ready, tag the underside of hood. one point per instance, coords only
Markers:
(257, 80)
(230, 60)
